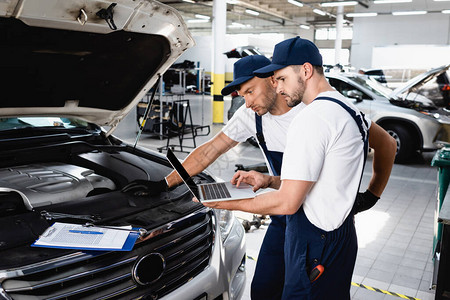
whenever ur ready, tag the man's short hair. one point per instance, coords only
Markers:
(318, 69)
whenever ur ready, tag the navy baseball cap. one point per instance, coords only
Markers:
(243, 71)
(295, 51)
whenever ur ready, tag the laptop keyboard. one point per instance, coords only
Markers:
(215, 191)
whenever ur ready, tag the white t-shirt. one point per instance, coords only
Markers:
(324, 145)
(275, 127)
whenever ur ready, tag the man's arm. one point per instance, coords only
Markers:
(202, 157)
(285, 201)
(385, 148)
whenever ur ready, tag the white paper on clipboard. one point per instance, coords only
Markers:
(74, 236)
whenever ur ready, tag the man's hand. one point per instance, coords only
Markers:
(364, 201)
(145, 187)
(255, 179)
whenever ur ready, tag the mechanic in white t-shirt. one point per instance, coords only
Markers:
(266, 117)
(326, 148)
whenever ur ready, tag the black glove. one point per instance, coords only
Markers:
(145, 187)
(364, 201)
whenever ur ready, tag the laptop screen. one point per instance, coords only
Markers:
(176, 164)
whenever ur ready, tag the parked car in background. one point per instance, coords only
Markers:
(433, 85)
(74, 70)
(377, 74)
(412, 119)
(243, 51)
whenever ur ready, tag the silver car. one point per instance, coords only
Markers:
(71, 71)
(412, 119)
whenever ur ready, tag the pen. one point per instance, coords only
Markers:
(85, 232)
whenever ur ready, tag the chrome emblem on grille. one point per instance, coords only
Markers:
(149, 268)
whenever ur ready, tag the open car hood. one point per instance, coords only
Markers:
(93, 60)
(415, 83)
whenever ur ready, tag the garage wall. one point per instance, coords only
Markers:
(388, 30)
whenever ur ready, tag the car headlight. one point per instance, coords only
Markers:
(433, 115)
(225, 219)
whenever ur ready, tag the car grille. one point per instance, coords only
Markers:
(185, 246)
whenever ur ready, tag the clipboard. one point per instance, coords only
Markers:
(78, 237)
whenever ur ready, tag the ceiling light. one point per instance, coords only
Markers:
(390, 1)
(408, 13)
(339, 3)
(319, 12)
(197, 21)
(367, 14)
(202, 17)
(238, 25)
(189, 1)
(446, 11)
(304, 26)
(252, 12)
(232, 1)
(299, 4)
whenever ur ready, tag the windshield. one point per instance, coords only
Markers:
(372, 85)
(41, 122)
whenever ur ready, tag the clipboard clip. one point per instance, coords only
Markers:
(141, 231)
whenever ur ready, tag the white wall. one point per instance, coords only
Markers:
(388, 30)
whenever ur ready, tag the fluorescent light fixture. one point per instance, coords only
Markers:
(391, 1)
(232, 1)
(358, 15)
(202, 17)
(197, 21)
(339, 3)
(189, 1)
(239, 25)
(297, 3)
(319, 12)
(409, 13)
(304, 26)
(252, 12)
(446, 11)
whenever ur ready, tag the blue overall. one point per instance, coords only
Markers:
(307, 246)
(268, 279)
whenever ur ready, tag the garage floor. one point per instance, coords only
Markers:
(395, 237)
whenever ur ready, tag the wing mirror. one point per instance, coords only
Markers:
(355, 94)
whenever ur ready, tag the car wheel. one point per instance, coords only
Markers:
(405, 142)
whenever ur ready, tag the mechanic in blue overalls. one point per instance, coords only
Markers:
(263, 108)
(321, 172)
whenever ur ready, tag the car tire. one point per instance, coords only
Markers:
(406, 146)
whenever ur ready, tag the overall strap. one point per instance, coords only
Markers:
(272, 157)
(359, 121)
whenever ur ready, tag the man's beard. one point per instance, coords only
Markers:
(297, 95)
(270, 99)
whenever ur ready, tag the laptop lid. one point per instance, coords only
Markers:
(176, 164)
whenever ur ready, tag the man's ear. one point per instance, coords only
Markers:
(308, 70)
(272, 81)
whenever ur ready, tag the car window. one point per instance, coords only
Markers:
(343, 88)
(36, 122)
(372, 85)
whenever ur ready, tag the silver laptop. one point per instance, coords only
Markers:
(210, 192)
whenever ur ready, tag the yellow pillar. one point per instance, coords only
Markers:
(219, 26)
(218, 85)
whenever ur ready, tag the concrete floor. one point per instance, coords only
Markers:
(395, 237)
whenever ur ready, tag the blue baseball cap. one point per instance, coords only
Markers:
(295, 51)
(243, 71)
